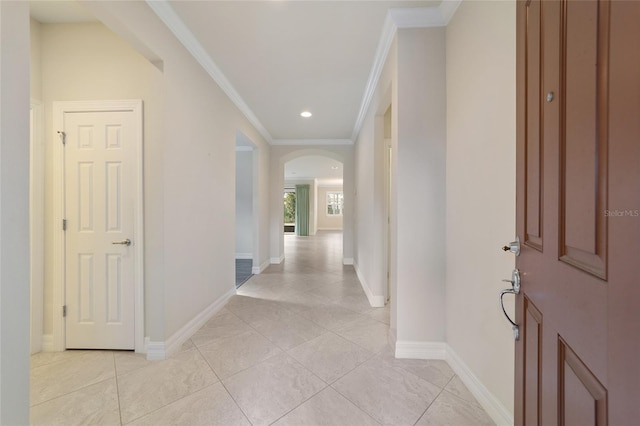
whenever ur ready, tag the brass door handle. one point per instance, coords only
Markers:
(126, 242)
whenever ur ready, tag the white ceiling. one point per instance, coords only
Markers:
(328, 171)
(277, 58)
(283, 57)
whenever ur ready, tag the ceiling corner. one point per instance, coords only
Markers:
(168, 16)
(448, 8)
(386, 38)
(419, 17)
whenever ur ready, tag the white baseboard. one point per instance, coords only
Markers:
(374, 301)
(163, 350)
(244, 255)
(347, 261)
(277, 260)
(329, 229)
(155, 350)
(421, 350)
(47, 343)
(393, 337)
(440, 350)
(494, 408)
(259, 269)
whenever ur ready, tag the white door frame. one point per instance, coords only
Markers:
(59, 110)
(36, 225)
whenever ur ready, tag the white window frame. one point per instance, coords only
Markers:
(329, 202)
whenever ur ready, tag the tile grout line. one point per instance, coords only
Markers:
(434, 400)
(176, 400)
(224, 386)
(115, 370)
(311, 396)
(70, 392)
(352, 402)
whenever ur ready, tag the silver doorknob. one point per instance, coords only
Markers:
(514, 281)
(515, 289)
(126, 242)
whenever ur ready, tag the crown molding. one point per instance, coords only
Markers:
(448, 8)
(419, 17)
(310, 142)
(386, 38)
(165, 12)
(395, 19)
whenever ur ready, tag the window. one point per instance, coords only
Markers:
(289, 206)
(335, 203)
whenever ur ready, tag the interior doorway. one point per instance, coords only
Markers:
(246, 199)
(313, 195)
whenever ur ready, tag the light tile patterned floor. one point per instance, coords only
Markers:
(298, 345)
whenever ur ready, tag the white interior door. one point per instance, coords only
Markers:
(100, 172)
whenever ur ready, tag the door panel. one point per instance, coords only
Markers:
(582, 398)
(579, 296)
(584, 113)
(532, 347)
(99, 194)
(533, 141)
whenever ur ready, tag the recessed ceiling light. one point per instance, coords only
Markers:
(334, 167)
(306, 114)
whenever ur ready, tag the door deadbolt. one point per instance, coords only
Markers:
(513, 247)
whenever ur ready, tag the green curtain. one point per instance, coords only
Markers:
(302, 210)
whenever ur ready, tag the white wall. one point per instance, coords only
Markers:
(413, 83)
(326, 222)
(447, 226)
(481, 188)
(244, 205)
(14, 213)
(191, 208)
(87, 62)
(35, 58)
(419, 184)
(371, 224)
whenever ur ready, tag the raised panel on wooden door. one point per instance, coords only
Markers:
(533, 353)
(582, 400)
(533, 125)
(584, 124)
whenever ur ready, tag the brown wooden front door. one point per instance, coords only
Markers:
(578, 212)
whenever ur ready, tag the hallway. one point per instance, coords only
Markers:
(298, 345)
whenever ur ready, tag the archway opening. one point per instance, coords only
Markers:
(313, 195)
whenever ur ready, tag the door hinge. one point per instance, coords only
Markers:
(63, 137)
(64, 224)
(64, 310)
